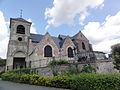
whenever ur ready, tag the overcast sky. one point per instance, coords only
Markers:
(99, 20)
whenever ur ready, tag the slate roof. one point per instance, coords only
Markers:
(36, 38)
(20, 19)
(62, 36)
(57, 41)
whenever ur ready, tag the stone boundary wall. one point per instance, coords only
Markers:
(106, 67)
(101, 66)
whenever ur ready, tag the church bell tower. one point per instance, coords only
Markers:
(17, 54)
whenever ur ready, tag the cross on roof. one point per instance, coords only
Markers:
(21, 13)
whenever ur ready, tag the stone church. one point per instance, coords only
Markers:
(27, 50)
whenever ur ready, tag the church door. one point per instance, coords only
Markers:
(19, 63)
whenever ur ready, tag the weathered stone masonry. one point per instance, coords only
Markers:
(27, 50)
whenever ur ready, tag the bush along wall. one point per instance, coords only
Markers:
(14, 75)
(95, 82)
(83, 81)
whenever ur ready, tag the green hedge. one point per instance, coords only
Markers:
(34, 79)
(57, 81)
(14, 75)
(77, 82)
(84, 81)
(11, 77)
(1, 73)
(95, 82)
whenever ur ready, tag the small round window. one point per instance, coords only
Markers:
(19, 39)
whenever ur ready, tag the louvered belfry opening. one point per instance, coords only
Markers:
(20, 29)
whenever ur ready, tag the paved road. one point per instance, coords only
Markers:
(5, 85)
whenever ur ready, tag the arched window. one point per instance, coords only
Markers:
(48, 51)
(70, 52)
(20, 29)
(83, 46)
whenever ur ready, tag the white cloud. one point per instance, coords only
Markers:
(32, 29)
(103, 35)
(3, 36)
(64, 11)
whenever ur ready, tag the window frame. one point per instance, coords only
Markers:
(83, 46)
(49, 52)
(70, 52)
(20, 29)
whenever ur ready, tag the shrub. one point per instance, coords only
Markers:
(34, 79)
(15, 75)
(57, 81)
(2, 62)
(25, 78)
(44, 81)
(1, 73)
(60, 82)
(95, 82)
(83, 81)
(116, 55)
(88, 69)
(11, 77)
(57, 62)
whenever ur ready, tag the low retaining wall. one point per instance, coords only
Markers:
(101, 66)
(106, 67)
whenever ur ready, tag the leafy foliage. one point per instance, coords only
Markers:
(1, 73)
(57, 62)
(88, 81)
(116, 56)
(88, 69)
(25, 78)
(14, 75)
(11, 77)
(60, 82)
(35, 79)
(84, 81)
(2, 62)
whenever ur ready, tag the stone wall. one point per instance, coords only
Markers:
(105, 67)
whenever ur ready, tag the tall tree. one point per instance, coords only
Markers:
(116, 55)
